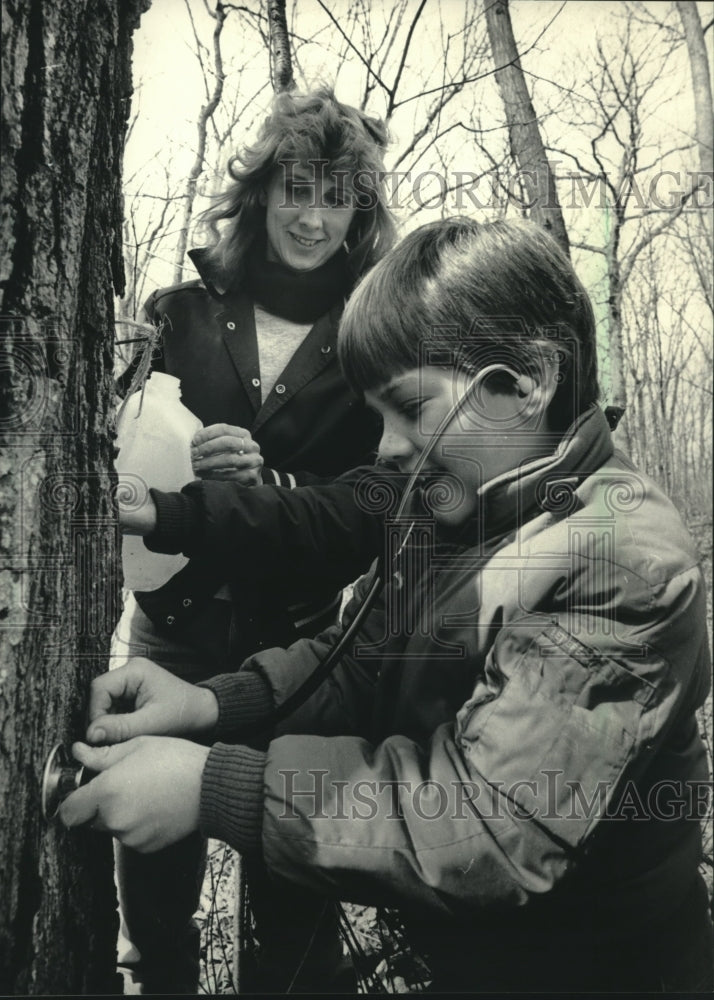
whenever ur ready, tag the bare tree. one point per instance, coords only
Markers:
(670, 382)
(624, 168)
(280, 62)
(654, 293)
(143, 232)
(701, 82)
(419, 71)
(527, 146)
(66, 87)
(204, 117)
(164, 198)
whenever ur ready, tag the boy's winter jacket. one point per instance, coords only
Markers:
(510, 752)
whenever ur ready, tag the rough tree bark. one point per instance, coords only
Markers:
(527, 149)
(66, 88)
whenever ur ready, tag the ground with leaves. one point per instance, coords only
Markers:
(374, 941)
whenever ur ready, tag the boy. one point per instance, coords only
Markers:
(508, 753)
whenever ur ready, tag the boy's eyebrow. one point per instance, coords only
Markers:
(390, 388)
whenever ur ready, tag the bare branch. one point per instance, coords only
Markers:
(353, 47)
(205, 115)
(402, 61)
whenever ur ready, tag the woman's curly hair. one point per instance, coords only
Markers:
(303, 128)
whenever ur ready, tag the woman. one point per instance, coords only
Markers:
(253, 341)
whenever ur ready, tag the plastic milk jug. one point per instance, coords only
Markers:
(154, 438)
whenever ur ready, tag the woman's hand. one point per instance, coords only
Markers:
(147, 792)
(141, 698)
(229, 453)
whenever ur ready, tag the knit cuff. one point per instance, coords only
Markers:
(232, 796)
(243, 699)
(177, 520)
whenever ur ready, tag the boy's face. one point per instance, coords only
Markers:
(498, 429)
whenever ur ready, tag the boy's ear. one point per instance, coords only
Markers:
(538, 390)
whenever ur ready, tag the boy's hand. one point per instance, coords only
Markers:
(135, 518)
(142, 698)
(147, 792)
(229, 453)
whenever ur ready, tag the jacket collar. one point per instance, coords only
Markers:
(545, 484)
(208, 273)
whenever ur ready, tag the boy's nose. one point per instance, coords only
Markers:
(395, 447)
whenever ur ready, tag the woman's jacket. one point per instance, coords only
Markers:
(310, 428)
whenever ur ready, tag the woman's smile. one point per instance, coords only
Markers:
(305, 241)
(306, 217)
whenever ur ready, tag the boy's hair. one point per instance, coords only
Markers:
(499, 291)
(305, 128)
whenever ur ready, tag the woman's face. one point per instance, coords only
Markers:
(307, 217)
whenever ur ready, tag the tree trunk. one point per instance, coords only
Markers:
(524, 135)
(701, 82)
(66, 88)
(618, 386)
(280, 61)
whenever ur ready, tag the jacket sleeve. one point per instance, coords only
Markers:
(341, 704)
(498, 804)
(290, 480)
(274, 535)
(302, 477)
